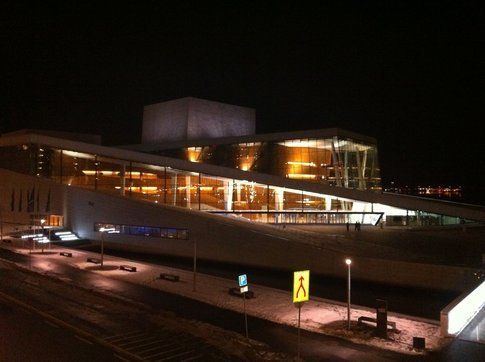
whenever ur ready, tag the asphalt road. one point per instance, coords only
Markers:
(314, 347)
(28, 337)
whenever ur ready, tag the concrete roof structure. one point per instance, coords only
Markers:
(318, 133)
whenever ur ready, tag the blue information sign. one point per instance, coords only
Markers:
(243, 280)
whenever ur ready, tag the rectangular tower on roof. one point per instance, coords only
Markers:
(193, 118)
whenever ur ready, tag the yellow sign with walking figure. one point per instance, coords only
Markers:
(301, 286)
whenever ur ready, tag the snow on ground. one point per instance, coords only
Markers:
(318, 315)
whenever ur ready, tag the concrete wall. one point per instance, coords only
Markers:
(235, 241)
(227, 240)
(456, 315)
(192, 118)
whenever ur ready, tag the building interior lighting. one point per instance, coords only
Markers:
(31, 236)
(109, 173)
(103, 229)
(311, 164)
(205, 188)
(301, 176)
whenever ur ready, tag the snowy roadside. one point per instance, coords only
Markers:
(318, 315)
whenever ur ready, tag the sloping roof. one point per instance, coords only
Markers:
(466, 211)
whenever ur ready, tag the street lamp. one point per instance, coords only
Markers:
(1, 223)
(195, 266)
(42, 222)
(102, 230)
(348, 261)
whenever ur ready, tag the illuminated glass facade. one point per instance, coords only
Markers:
(166, 185)
(338, 161)
(227, 196)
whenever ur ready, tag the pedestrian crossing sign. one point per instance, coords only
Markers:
(301, 286)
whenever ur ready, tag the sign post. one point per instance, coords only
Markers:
(243, 285)
(301, 294)
(194, 287)
(381, 310)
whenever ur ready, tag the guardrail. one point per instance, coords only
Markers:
(456, 315)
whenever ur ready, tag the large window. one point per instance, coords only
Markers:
(138, 230)
(339, 161)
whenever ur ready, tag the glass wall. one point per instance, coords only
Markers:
(340, 162)
(137, 230)
(230, 197)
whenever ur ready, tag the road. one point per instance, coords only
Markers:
(315, 347)
(27, 337)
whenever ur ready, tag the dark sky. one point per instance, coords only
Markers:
(411, 75)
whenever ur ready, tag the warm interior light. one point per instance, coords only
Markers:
(311, 164)
(301, 176)
(134, 174)
(193, 153)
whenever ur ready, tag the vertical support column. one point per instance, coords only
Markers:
(279, 203)
(123, 179)
(359, 169)
(60, 168)
(228, 193)
(131, 180)
(95, 172)
(346, 169)
(364, 165)
(198, 190)
(188, 187)
(302, 202)
(140, 188)
(267, 197)
(336, 164)
(165, 185)
(173, 186)
(238, 192)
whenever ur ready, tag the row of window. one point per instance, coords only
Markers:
(153, 231)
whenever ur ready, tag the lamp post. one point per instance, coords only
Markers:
(1, 223)
(194, 286)
(42, 222)
(348, 261)
(102, 246)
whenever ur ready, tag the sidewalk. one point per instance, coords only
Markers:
(317, 315)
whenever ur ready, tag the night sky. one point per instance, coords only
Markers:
(410, 75)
